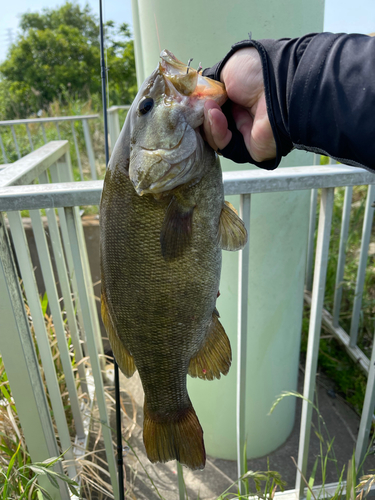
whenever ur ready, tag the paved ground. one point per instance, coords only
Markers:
(340, 420)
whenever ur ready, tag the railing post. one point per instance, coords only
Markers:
(44, 133)
(361, 274)
(3, 151)
(22, 368)
(15, 142)
(367, 413)
(77, 151)
(342, 254)
(89, 149)
(114, 126)
(311, 238)
(311, 233)
(321, 260)
(29, 136)
(243, 292)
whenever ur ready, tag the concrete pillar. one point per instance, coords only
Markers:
(205, 30)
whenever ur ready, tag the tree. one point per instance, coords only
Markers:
(57, 55)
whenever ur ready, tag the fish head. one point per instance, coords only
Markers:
(162, 127)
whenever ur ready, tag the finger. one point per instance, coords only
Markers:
(216, 126)
(244, 123)
(256, 131)
(207, 132)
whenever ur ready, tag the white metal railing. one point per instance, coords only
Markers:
(348, 340)
(57, 121)
(114, 126)
(67, 196)
(16, 346)
(32, 135)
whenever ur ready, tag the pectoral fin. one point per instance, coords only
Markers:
(215, 356)
(232, 232)
(175, 235)
(123, 357)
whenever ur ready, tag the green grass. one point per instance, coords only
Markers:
(72, 108)
(354, 490)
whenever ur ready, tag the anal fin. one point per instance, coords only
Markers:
(123, 357)
(215, 356)
(232, 232)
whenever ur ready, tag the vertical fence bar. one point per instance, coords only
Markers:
(89, 149)
(342, 254)
(181, 483)
(243, 291)
(29, 136)
(65, 289)
(77, 151)
(53, 301)
(22, 368)
(67, 176)
(361, 273)
(66, 292)
(114, 126)
(32, 295)
(321, 260)
(311, 238)
(55, 176)
(58, 130)
(3, 151)
(15, 142)
(91, 345)
(44, 133)
(311, 233)
(367, 413)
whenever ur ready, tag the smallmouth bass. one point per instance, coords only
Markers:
(163, 224)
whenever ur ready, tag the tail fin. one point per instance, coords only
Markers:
(179, 438)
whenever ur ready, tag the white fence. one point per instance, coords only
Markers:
(33, 127)
(16, 194)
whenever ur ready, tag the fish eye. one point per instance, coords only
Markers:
(145, 105)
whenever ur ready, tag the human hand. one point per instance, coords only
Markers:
(242, 76)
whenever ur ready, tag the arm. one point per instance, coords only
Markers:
(315, 93)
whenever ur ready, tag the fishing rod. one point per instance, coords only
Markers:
(117, 378)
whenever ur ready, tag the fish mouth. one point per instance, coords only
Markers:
(190, 82)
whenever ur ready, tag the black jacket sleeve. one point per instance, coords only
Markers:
(320, 95)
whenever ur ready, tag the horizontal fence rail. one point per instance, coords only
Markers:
(241, 182)
(66, 196)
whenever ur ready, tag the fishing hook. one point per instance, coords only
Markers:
(188, 65)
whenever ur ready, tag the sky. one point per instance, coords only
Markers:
(348, 16)
(117, 10)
